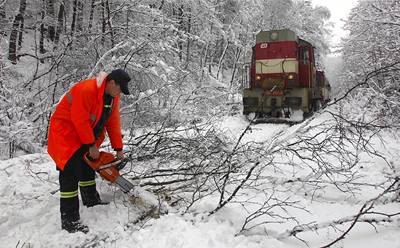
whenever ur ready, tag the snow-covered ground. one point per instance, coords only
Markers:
(29, 216)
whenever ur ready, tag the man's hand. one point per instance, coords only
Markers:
(120, 154)
(94, 152)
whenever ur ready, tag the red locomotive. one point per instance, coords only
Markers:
(284, 83)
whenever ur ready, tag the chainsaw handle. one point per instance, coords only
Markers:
(121, 165)
(89, 158)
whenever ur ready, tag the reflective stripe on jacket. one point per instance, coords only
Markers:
(74, 118)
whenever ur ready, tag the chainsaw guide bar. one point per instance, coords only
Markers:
(108, 167)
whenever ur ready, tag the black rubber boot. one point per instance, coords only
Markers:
(72, 224)
(90, 196)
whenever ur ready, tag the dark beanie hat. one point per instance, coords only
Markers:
(120, 77)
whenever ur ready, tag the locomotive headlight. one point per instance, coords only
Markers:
(292, 80)
(258, 77)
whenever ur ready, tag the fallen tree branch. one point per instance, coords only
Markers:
(357, 218)
(365, 209)
(222, 204)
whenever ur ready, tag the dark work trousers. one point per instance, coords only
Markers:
(76, 172)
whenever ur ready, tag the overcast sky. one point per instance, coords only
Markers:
(339, 10)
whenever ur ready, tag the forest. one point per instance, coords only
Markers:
(186, 58)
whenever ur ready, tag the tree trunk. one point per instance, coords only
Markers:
(61, 13)
(181, 28)
(209, 57)
(235, 64)
(3, 20)
(109, 23)
(103, 20)
(67, 9)
(203, 60)
(50, 20)
(21, 32)
(74, 16)
(221, 59)
(91, 15)
(42, 34)
(16, 28)
(79, 19)
(127, 23)
(189, 26)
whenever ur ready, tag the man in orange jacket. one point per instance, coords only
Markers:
(77, 127)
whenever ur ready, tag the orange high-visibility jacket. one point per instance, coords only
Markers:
(72, 123)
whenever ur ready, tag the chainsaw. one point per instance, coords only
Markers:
(108, 167)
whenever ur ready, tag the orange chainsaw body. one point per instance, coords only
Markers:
(105, 165)
(108, 168)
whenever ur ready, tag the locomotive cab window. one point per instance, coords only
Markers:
(304, 56)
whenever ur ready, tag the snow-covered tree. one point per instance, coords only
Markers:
(371, 56)
(312, 24)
